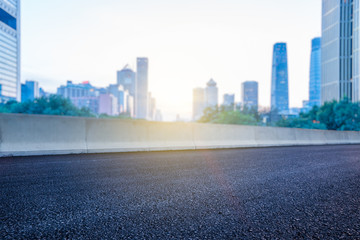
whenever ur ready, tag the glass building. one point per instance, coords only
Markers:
(250, 94)
(356, 49)
(315, 73)
(10, 87)
(141, 94)
(229, 100)
(30, 91)
(126, 77)
(211, 94)
(279, 81)
(81, 95)
(340, 50)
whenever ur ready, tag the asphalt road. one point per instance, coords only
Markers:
(268, 193)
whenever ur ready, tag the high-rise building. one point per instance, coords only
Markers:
(30, 91)
(198, 103)
(10, 87)
(108, 104)
(279, 81)
(122, 97)
(211, 94)
(229, 100)
(315, 73)
(81, 95)
(141, 93)
(127, 78)
(250, 94)
(340, 50)
(356, 52)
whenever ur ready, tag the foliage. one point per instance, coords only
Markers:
(52, 105)
(224, 116)
(343, 116)
(120, 116)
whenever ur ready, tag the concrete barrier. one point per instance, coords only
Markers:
(209, 136)
(47, 135)
(36, 134)
(112, 135)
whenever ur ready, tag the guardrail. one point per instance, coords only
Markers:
(25, 135)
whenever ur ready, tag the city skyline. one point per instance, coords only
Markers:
(183, 53)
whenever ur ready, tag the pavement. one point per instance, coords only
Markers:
(265, 193)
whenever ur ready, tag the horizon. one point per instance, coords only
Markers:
(90, 46)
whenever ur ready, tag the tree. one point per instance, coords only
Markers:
(343, 116)
(222, 115)
(52, 105)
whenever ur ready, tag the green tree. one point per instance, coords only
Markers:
(52, 105)
(343, 116)
(222, 115)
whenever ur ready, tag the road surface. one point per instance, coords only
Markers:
(265, 193)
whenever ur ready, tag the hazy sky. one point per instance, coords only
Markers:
(187, 43)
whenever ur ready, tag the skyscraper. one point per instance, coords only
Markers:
(229, 100)
(340, 50)
(356, 52)
(10, 87)
(211, 94)
(279, 81)
(250, 94)
(198, 103)
(315, 73)
(141, 94)
(30, 91)
(127, 78)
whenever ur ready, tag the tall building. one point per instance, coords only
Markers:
(127, 78)
(198, 103)
(30, 91)
(279, 81)
(356, 52)
(250, 94)
(10, 87)
(108, 104)
(81, 95)
(315, 73)
(340, 50)
(123, 98)
(141, 94)
(229, 100)
(211, 94)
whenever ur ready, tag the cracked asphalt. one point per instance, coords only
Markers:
(266, 193)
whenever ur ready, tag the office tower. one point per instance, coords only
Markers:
(81, 95)
(356, 51)
(141, 94)
(340, 50)
(108, 104)
(279, 81)
(198, 103)
(122, 97)
(211, 94)
(229, 101)
(250, 94)
(30, 91)
(10, 87)
(127, 78)
(315, 73)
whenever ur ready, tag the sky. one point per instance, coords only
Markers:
(187, 43)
